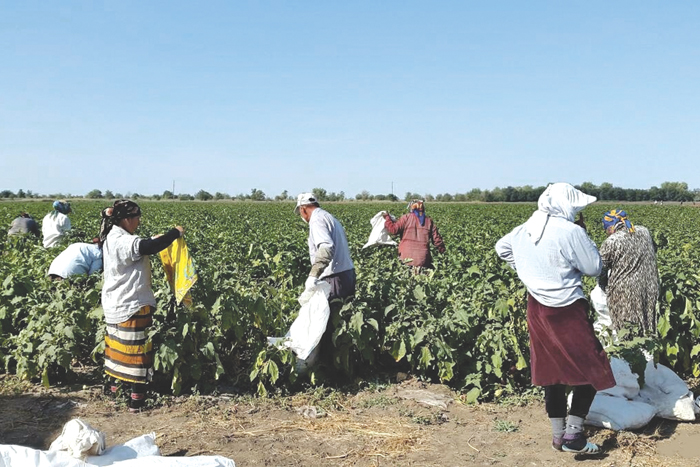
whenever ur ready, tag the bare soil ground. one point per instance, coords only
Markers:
(381, 425)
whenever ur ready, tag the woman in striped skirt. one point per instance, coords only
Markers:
(127, 297)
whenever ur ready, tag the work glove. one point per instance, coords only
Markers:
(310, 283)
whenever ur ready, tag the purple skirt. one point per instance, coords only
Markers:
(564, 348)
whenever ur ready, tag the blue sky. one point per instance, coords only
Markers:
(348, 96)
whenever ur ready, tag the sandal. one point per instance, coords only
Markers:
(579, 444)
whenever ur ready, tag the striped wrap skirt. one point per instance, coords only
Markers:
(128, 351)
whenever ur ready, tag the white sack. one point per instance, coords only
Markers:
(79, 439)
(306, 331)
(138, 452)
(618, 413)
(143, 446)
(379, 234)
(626, 382)
(666, 391)
(600, 304)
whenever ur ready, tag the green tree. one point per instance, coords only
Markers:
(320, 194)
(167, 194)
(94, 194)
(109, 194)
(257, 195)
(203, 195)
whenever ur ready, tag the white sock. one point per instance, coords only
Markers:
(558, 427)
(574, 425)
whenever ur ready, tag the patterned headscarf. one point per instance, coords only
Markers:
(62, 206)
(616, 220)
(417, 208)
(111, 216)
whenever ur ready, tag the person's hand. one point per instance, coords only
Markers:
(580, 221)
(182, 231)
(386, 215)
(310, 283)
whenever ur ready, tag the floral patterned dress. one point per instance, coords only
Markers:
(629, 268)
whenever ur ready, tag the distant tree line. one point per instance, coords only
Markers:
(668, 191)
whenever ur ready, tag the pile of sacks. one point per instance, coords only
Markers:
(628, 406)
(80, 445)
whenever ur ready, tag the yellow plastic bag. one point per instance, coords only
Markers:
(179, 269)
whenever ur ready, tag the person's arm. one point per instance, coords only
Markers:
(151, 246)
(394, 227)
(436, 238)
(325, 248)
(504, 249)
(585, 256)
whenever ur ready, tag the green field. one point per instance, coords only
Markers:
(464, 324)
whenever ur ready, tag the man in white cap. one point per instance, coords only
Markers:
(329, 253)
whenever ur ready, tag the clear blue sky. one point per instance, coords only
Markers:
(434, 96)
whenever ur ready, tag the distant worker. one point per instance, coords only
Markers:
(417, 232)
(127, 297)
(56, 223)
(630, 276)
(78, 258)
(329, 253)
(550, 253)
(23, 224)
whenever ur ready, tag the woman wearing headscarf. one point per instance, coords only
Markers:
(417, 232)
(630, 277)
(56, 223)
(127, 296)
(550, 253)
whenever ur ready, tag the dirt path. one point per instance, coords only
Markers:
(378, 426)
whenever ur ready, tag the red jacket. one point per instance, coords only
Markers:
(415, 238)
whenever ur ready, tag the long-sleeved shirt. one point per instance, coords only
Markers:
(414, 247)
(23, 225)
(552, 269)
(78, 258)
(54, 227)
(326, 231)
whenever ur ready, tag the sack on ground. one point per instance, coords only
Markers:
(666, 391)
(79, 439)
(308, 328)
(618, 413)
(626, 382)
(379, 234)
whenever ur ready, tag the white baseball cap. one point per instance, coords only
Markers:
(303, 199)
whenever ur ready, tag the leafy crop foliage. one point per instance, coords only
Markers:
(462, 323)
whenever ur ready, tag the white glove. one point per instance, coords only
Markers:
(310, 283)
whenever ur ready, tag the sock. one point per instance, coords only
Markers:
(574, 425)
(558, 427)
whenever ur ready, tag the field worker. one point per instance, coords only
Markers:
(630, 277)
(417, 232)
(329, 253)
(23, 224)
(550, 253)
(56, 223)
(78, 258)
(127, 297)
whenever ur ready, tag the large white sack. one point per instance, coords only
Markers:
(379, 234)
(79, 440)
(626, 382)
(618, 413)
(306, 331)
(21, 456)
(138, 452)
(143, 446)
(666, 391)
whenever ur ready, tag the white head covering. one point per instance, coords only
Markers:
(557, 200)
